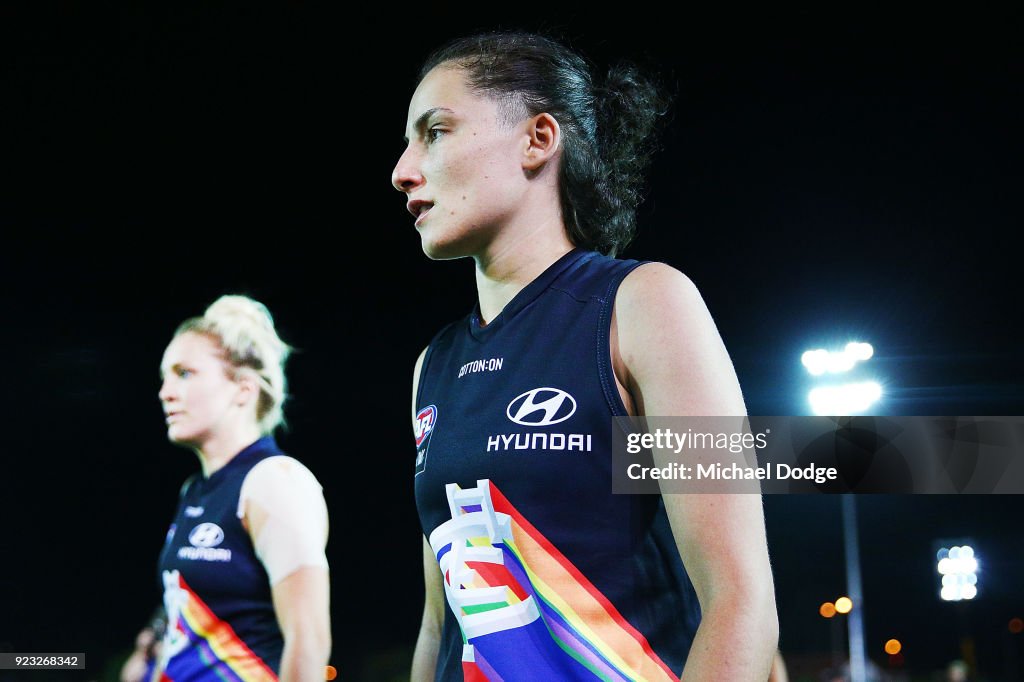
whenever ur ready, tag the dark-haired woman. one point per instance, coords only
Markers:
(518, 159)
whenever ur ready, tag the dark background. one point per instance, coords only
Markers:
(824, 177)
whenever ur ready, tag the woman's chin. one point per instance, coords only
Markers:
(447, 246)
(442, 250)
(180, 437)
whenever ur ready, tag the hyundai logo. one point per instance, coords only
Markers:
(206, 535)
(541, 407)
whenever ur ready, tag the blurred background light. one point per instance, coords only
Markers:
(958, 567)
(844, 400)
(820, 361)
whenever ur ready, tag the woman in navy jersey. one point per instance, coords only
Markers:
(520, 158)
(243, 569)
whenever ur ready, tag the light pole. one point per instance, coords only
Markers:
(858, 671)
(844, 400)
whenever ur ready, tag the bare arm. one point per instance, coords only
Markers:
(301, 604)
(134, 668)
(147, 648)
(673, 363)
(779, 672)
(300, 590)
(424, 660)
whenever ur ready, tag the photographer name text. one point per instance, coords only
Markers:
(731, 472)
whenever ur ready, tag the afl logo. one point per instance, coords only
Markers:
(206, 535)
(424, 423)
(541, 407)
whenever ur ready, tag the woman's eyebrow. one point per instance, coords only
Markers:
(164, 369)
(421, 122)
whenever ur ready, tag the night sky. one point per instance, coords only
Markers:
(822, 178)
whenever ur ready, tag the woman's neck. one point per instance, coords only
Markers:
(511, 265)
(220, 449)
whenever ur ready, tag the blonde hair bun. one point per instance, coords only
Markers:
(245, 330)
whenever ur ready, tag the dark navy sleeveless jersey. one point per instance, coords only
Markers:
(548, 575)
(220, 616)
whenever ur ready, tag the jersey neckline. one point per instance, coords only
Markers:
(250, 452)
(525, 296)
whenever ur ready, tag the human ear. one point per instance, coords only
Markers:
(543, 138)
(248, 389)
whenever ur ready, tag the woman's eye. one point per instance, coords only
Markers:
(433, 134)
(184, 373)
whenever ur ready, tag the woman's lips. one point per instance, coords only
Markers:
(423, 214)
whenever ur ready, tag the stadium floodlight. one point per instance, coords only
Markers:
(821, 361)
(844, 400)
(958, 567)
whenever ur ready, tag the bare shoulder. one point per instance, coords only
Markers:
(669, 348)
(273, 468)
(278, 483)
(654, 287)
(419, 365)
(416, 380)
(659, 309)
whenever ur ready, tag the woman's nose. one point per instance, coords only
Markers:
(166, 391)
(406, 176)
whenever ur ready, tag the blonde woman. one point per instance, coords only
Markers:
(243, 570)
